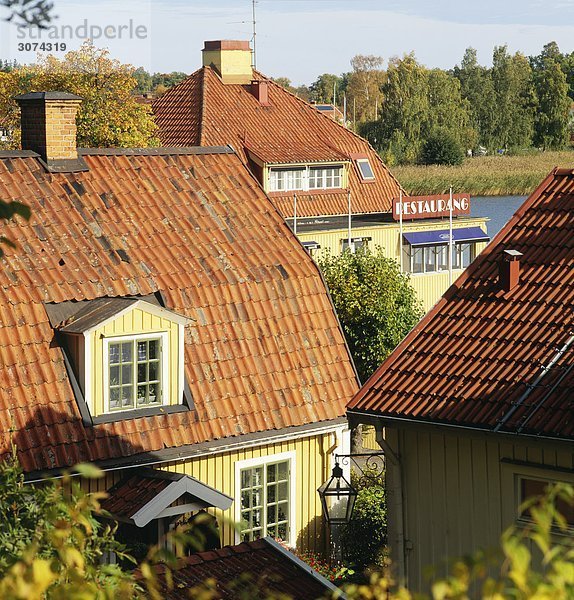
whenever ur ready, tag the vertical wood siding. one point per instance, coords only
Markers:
(460, 492)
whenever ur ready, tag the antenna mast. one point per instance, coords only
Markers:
(253, 54)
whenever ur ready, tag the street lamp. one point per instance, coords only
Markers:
(338, 497)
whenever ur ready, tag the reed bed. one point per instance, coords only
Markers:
(484, 175)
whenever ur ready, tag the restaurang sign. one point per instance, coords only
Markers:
(427, 207)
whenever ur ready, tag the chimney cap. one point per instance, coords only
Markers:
(47, 96)
(227, 45)
(512, 254)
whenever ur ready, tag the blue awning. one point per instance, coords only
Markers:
(441, 236)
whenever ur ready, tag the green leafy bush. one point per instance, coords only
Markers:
(442, 148)
(364, 538)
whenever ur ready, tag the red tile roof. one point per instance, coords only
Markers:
(249, 570)
(488, 359)
(202, 110)
(132, 494)
(264, 350)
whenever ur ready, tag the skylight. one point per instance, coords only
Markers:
(365, 169)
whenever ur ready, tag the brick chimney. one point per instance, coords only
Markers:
(231, 59)
(260, 89)
(509, 270)
(48, 121)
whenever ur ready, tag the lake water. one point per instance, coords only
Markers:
(498, 208)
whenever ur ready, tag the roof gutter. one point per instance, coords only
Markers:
(193, 451)
(371, 416)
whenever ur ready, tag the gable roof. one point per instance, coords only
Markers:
(263, 348)
(260, 566)
(491, 360)
(144, 494)
(203, 110)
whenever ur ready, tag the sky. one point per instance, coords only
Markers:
(298, 39)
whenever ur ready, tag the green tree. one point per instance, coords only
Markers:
(363, 539)
(323, 88)
(448, 111)
(442, 148)
(109, 115)
(515, 99)
(552, 116)
(405, 110)
(375, 302)
(51, 544)
(477, 88)
(144, 81)
(363, 87)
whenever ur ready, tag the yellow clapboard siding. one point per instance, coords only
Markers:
(134, 322)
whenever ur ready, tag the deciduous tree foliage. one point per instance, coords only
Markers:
(323, 88)
(363, 88)
(375, 302)
(552, 117)
(109, 116)
(51, 545)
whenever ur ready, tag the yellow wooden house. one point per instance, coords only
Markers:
(161, 320)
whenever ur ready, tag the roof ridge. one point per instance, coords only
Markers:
(324, 116)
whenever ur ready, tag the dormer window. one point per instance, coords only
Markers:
(125, 356)
(306, 178)
(284, 180)
(137, 372)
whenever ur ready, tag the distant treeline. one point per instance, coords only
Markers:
(157, 83)
(412, 114)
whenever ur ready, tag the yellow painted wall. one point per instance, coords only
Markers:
(428, 286)
(134, 322)
(460, 491)
(312, 468)
(233, 65)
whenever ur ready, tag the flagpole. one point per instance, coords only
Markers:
(295, 213)
(349, 200)
(450, 244)
(401, 228)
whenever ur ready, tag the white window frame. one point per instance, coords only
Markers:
(433, 248)
(511, 493)
(306, 177)
(165, 383)
(263, 461)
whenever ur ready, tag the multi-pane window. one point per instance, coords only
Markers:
(265, 501)
(430, 259)
(305, 178)
(283, 180)
(321, 178)
(134, 373)
(356, 243)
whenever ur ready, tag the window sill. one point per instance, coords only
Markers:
(138, 413)
(434, 272)
(305, 193)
